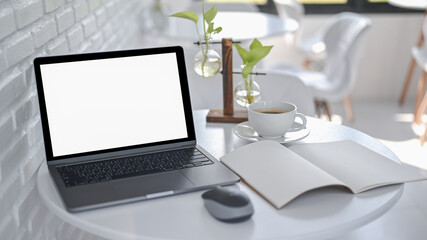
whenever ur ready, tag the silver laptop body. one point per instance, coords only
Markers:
(112, 107)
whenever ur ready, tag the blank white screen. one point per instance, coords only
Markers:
(109, 103)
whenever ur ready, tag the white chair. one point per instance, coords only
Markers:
(343, 41)
(313, 47)
(419, 54)
(289, 9)
(288, 88)
(419, 112)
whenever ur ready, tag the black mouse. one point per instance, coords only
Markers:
(228, 205)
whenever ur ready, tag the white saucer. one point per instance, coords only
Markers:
(245, 131)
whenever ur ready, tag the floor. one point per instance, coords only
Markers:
(392, 125)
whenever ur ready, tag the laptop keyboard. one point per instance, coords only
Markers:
(94, 172)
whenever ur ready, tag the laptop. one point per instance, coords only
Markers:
(118, 128)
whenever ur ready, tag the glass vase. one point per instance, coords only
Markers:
(207, 62)
(247, 91)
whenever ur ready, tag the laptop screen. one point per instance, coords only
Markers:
(96, 103)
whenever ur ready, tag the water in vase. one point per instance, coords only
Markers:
(244, 98)
(208, 68)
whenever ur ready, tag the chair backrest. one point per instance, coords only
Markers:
(277, 86)
(343, 40)
(289, 9)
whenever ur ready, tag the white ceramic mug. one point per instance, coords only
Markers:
(273, 119)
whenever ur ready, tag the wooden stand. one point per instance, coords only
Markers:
(228, 114)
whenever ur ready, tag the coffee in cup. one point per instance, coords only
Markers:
(273, 119)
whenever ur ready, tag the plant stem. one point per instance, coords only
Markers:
(203, 16)
(205, 56)
(249, 84)
(249, 89)
(200, 39)
(205, 52)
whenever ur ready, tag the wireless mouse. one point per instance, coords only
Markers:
(228, 205)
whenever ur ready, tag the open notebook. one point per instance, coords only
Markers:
(281, 174)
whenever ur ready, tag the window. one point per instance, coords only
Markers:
(361, 6)
(332, 6)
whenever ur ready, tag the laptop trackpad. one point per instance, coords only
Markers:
(155, 183)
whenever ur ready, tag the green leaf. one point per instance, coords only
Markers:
(217, 30)
(210, 27)
(210, 14)
(190, 15)
(255, 55)
(255, 44)
(247, 70)
(242, 52)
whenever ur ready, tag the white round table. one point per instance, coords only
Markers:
(236, 25)
(409, 4)
(317, 214)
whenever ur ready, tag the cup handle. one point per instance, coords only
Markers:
(304, 123)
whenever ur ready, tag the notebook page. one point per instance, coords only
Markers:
(357, 166)
(275, 172)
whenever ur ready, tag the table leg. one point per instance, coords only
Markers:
(349, 108)
(420, 111)
(423, 137)
(407, 81)
(411, 68)
(419, 108)
(327, 110)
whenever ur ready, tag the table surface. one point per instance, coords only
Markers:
(317, 214)
(236, 25)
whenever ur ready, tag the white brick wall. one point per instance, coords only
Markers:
(65, 19)
(7, 22)
(50, 5)
(81, 10)
(31, 28)
(43, 32)
(75, 37)
(18, 47)
(28, 11)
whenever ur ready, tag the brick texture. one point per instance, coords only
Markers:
(20, 47)
(28, 12)
(89, 26)
(7, 22)
(43, 32)
(81, 10)
(28, 29)
(3, 64)
(50, 5)
(65, 19)
(75, 37)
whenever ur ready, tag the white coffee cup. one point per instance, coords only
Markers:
(273, 119)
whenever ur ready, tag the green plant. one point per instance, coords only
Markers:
(250, 58)
(208, 18)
